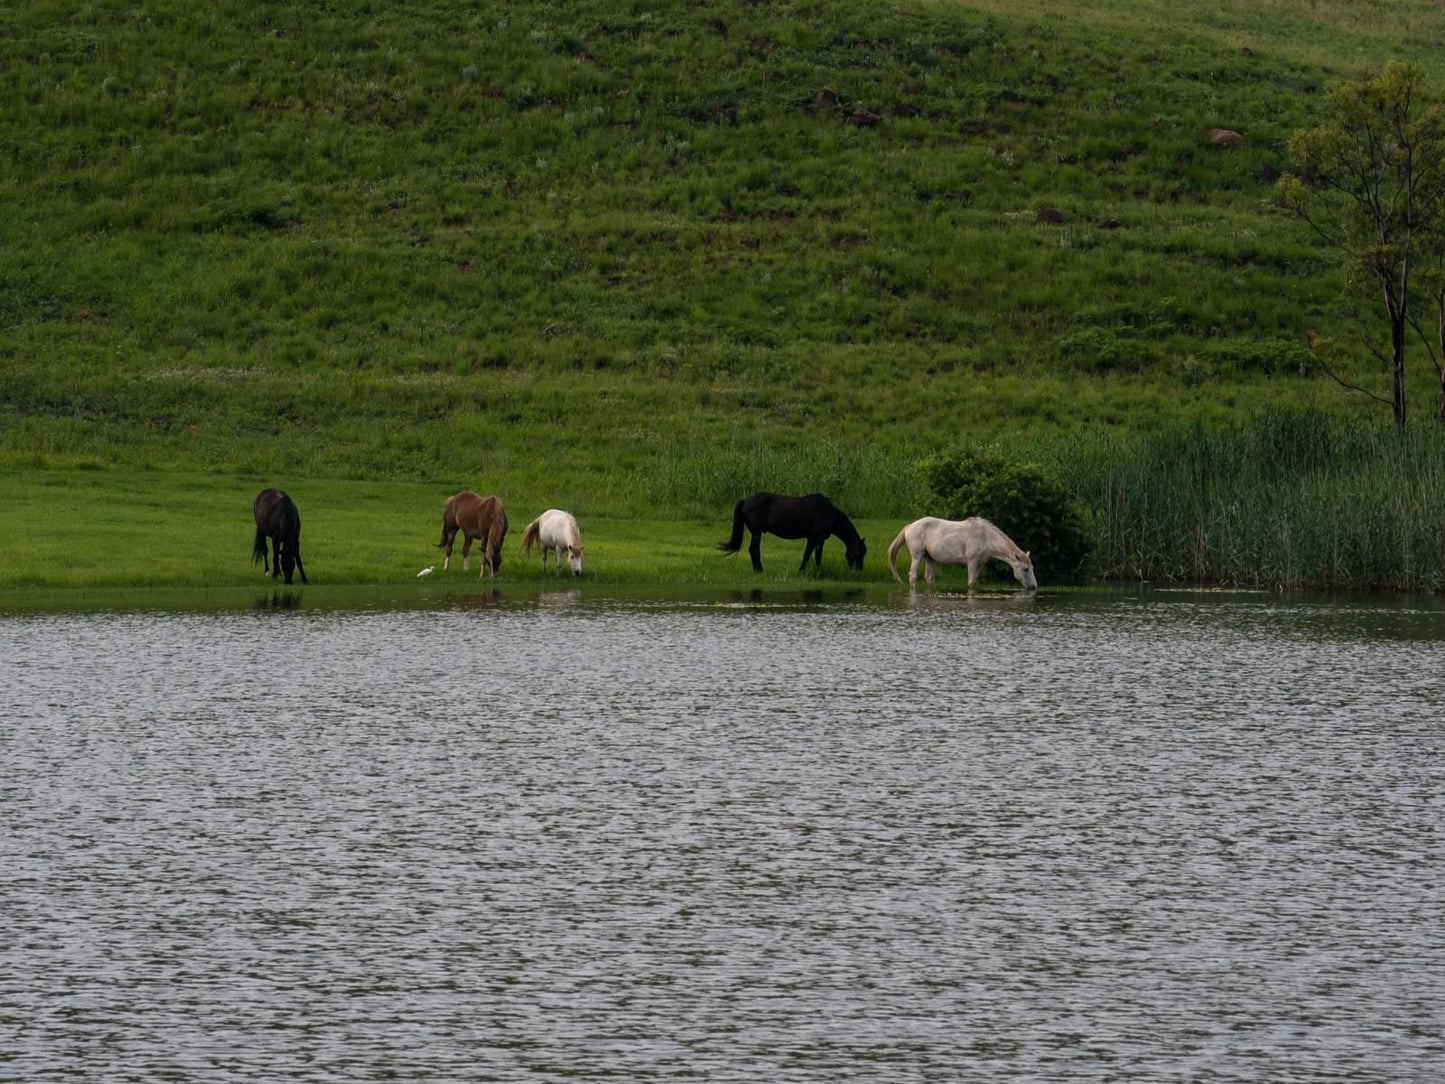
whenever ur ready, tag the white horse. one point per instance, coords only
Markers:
(972, 541)
(556, 530)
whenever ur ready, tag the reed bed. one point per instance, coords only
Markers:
(1289, 499)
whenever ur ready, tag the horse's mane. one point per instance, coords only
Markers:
(498, 529)
(842, 525)
(1001, 541)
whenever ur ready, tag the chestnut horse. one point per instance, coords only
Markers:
(477, 518)
(278, 520)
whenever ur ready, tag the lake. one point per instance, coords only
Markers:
(437, 835)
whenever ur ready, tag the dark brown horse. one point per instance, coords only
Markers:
(477, 518)
(813, 517)
(278, 520)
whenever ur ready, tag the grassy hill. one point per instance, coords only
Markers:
(638, 254)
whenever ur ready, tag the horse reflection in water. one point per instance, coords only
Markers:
(813, 517)
(972, 542)
(279, 600)
(468, 600)
(476, 517)
(278, 520)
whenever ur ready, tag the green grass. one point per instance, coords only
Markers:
(383, 240)
(615, 257)
(1288, 499)
(100, 529)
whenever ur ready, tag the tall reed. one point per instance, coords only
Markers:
(861, 480)
(1288, 499)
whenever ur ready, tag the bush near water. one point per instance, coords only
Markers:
(631, 259)
(1023, 499)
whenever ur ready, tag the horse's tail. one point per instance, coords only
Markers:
(893, 548)
(530, 535)
(448, 520)
(735, 543)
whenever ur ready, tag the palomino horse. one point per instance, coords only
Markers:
(477, 518)
(971, 541)
(813, 517)
(278, 520)
(557, 531)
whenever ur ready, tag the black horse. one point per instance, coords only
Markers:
(278, 520)
(813, 517)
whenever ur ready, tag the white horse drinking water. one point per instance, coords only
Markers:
(972, 541)
(557, 531)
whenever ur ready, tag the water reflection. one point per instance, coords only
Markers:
(278, 600)
(479, 599)
(793, 596)
(935, 599)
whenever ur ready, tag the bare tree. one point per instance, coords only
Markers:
(1371, 183)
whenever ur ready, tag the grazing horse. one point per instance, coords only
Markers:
(477, 518)
(278, 520)
(813, 517)
(557, 531)
(970, 541)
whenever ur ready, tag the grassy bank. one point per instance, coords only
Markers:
(92, 529)
(577, 243)
(1288, 500)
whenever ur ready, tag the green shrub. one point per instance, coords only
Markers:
(1023, 499)
(1098, 349)
(1272, 358)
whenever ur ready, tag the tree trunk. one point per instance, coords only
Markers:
(1440, 357)
(1397, 343)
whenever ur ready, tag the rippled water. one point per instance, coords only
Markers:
(734, 839)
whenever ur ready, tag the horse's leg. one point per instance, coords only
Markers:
(807, 552)
(449, 535)
(466, 553)
(913, 568)
(973, 566)
(276, 558)
(932, 572)
(818, 553)
(755, 551)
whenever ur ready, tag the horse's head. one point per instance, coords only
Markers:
(574, 559)
(1023, 566)
(855, 553)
